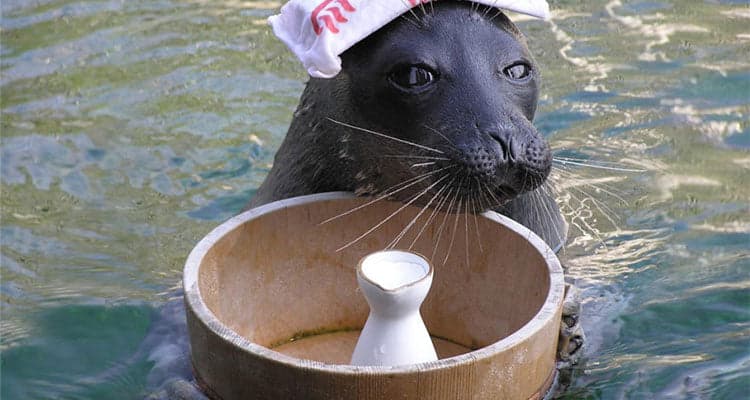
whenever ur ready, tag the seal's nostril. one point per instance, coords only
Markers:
(504, 138)
(503, 150)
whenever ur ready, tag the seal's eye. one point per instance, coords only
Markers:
(518, 71)
(410, 77)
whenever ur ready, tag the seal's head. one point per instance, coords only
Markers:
(439, 101)
(458, 82)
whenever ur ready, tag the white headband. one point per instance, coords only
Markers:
(317, 31)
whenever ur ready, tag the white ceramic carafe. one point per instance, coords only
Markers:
(395, 283)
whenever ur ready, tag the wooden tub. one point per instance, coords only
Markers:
(274, 311)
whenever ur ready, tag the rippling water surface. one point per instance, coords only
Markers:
(131, 128)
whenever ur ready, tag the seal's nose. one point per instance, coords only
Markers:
(510, 149)
(523, 149)
(523, 154)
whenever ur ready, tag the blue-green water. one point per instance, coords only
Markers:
(131, 128)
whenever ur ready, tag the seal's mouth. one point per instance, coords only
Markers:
(455, 193)
(448, 184)
(476, 198)
(478, 180)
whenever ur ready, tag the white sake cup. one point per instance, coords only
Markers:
(394, 283)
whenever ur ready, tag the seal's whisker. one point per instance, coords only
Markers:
(545, 214)
(525, 179)
(455, 228)
(466, 231)
(404, 17)
(442, 224)
(385, 136)
(608, 190)
(589, 161)
(548, 211)
(541, 217)
(497, 14)
(388, 192)
(535, 214)
(600, 186)
(424, 11)
(435, 210)
(390, 216)
(542, 206)
(486, 204)
(618, 169)
(410, 156)
(441, 135)
(487, 9)
(406, 229)
(498, 202)
(474, 201)
(599, 206)
(424, 164)
(538, 207)
(495, 200)
(603, 187)
(411, 11)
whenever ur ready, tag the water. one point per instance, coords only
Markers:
(131, 128)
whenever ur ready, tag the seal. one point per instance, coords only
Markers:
(437, 105)
(434, 109)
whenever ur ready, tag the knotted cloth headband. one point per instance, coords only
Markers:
(318, 31)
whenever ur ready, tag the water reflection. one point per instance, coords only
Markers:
(130, 129)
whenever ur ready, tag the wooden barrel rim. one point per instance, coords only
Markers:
(195, 302)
